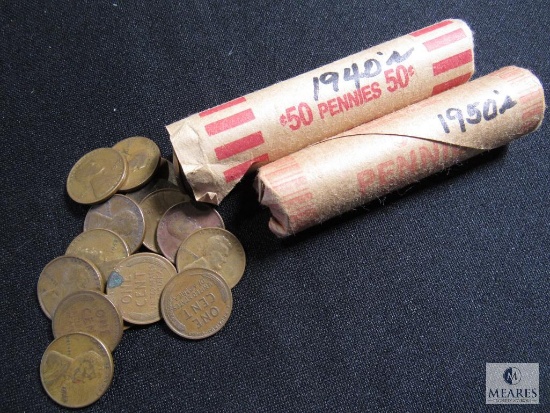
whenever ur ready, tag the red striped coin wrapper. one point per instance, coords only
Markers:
(371, 160)
(216, 147)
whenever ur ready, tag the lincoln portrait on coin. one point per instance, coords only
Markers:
(91, 175)
(214, 254)
(71, 280)
(85, 367)
(63, 369)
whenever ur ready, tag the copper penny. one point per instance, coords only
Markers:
(164, 177)
(176, 163)
(135, 286)
(196, 303)
(176, 170)
(63, 276)
(76, 370)
(215, 249)
(172, 176)
(96, 176)
(142, 155)
(121, 215)
(102, 247)
(182, 181)
(88, 312)
(180, 221)
(154, 206)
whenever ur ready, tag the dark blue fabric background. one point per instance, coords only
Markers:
(393, 307)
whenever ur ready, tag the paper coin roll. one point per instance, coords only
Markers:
(218, 146)
(371, 160)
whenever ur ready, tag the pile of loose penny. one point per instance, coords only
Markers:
(112, 275)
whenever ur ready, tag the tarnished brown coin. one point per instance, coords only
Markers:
(65, 275)
(177, 171)
(102, 247)
(76, 370)
(180, 221)
(215, 249)
(96, 176)
(196, 303)
(142, 155)
(164, 177)
(154, 206)
(88, 312)
(151, 187)
(135, 286)
(121, 215)
(170, 169)
(176, 163)
(182, 182)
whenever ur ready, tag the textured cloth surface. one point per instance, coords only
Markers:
(395, 306)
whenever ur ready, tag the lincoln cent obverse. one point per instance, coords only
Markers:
(102, 247)
(215, 249)
(76, 370)
(97, 176)
(154, 206)
(143, 156)
(121, 215)
(65, 275)
(180, 221)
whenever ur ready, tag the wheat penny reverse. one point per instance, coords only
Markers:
(136, 284)
(196, 303)
(215, 249)
(97, 176)
(88, 312)
(143, 156)
(76, 370)
(65, 275)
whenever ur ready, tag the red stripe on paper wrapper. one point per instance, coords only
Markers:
(452, 62)
(239, 145)
(222, 106)
(449, 84)
(230, 122)
(238, 171)
(445, 40)
(431, 28)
